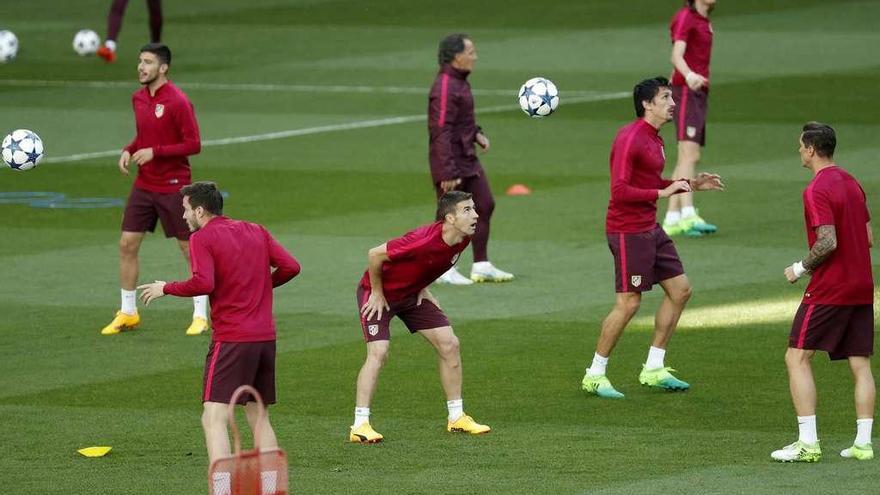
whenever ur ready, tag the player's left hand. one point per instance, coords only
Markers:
(707, 182)
(483, 141)
(149, 292)
(425, 294)
(142, 155)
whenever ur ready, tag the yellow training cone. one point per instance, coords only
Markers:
(94, 451)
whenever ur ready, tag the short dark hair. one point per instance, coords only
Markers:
(821, 137)
(450, 199)
(159, 50)
(450, 46)
(204, 194)
(646, 91)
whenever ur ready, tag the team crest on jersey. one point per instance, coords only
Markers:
(636, 280)
(455, 258)
(160, 110)
(691, 131)
(373, 329)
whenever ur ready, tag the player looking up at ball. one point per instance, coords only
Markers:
(167, 133)
(396, 284)
(691, 50)
(836, 314)
(643, 254)
(232, 262)
(453, 136)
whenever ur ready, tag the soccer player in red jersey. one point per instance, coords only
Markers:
(107, 51)
(836, 314)
(691, 33)
(454, 135)
(396, 284)
(643, 254)
(232, 264)
(167, 133)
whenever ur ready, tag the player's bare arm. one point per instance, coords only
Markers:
(425, 294)
(707, 182)
(483, 141)
(826, 243)
(142, 155)
(694, 81)
(150, 292)
(123, 162)
(676, 187)
(376, 303)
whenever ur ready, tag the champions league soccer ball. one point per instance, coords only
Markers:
(22, 149)
(86, 42)
(538, 97)
(8, 46)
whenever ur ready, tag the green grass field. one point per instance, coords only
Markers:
(266, 66)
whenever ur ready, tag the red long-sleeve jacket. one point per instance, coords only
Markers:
(167, 123)
(452, 128)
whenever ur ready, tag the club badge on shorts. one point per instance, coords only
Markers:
(160, 110)
(373, 329)
(636, 280)
(691, 131)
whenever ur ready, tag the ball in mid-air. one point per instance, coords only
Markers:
(86, 42)
(538, 97)
(22, 149)
(8, 46)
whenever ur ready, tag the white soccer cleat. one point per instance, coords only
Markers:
(484, 271)
(452, 277)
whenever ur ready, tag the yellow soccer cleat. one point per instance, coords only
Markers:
(198, 326)
(122, 321)
(466, 424)
(364, 434)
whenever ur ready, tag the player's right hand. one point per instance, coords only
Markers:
(695, 81)
(123, 162)
(448, 185)
(678, 186)
(375, 305)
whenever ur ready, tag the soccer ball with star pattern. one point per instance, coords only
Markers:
(538, 97)
(22, 149)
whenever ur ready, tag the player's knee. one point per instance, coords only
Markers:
(450, 349)
(378, 355)
(128, 247)
(211, 418)
(682, 295)
(630, 305)
(795, 358)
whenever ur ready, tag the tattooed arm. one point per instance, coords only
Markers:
(826, 243)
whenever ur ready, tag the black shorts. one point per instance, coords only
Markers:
(230, 365)
(643, 259)
(841, 331)
(145, 208)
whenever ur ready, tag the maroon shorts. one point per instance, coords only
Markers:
(643, 259)
(230, 365)
(145, 208)
(689, 114)
(841, 331)
(415, 316)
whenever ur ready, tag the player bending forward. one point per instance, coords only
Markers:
(396, 284)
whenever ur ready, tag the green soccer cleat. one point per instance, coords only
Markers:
(662, 378)
(696, 223)
(599, 385)
(678, 228)
(798, 452)
(859, 452)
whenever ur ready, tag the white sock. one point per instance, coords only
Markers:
(598, 366)
(481, 266)
(807, 429)
(110, 44)
(672, 217)
(655, 358)
(361, 416)
(129, 301)
(863, 430)
(456, 409)
(200, 307)
(688, 211)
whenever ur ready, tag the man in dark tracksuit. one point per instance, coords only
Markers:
(454, 163)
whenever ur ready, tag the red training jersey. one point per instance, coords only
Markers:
(167, 123)
(232, 263)
(834, 197)
(637, 160)
(689, 26)
(416, 260)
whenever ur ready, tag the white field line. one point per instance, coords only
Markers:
(291, 88)
(363, 124)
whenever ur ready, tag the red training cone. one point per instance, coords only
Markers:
(518, 190)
